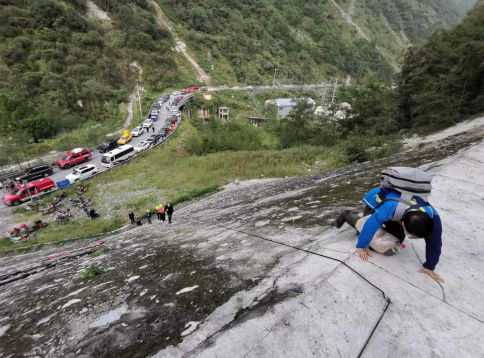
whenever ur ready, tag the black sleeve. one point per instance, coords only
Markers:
(433, 245)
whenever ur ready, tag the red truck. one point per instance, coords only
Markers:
(25, 192)
(74, 157)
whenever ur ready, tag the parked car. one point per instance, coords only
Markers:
(154, 118)
(126, 137)
(107, 146)
(154, 138)
(74, 157)
(142, 146)
(171, 128)
(136, 132)
(25, 192)
(148, 123)
(163, 132)
(37, 172)
(82, 172)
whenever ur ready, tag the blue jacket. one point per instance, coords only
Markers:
(384, 211)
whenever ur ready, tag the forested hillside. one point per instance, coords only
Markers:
(441, 82)
(62, 64)
(66, 64)
(307, 41)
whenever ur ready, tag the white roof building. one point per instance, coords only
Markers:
(286, 105)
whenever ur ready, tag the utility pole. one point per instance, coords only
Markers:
(274, 78)
(334, 90)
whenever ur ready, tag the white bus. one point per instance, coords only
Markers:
(117, 156)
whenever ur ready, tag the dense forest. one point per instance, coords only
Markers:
(68, 65)
(60, 67)
(441, 82)
(305, 41)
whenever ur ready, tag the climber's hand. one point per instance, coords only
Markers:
(432, 274)
(364, 254)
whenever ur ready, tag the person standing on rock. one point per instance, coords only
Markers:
(160, 212)
(148, 216)
(157, 209)
(169, 211)
(131, 217)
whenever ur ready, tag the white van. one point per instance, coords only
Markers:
(117, 156)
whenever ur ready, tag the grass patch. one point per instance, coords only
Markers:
(91, 271)
(194, 193)
(79, 227)
(99, 252)
(168, 174)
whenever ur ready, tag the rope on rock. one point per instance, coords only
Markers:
(387, 299)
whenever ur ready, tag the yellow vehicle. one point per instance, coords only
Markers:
(125, 137)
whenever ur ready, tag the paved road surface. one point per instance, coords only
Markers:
(6, 217)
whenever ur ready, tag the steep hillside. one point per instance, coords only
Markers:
(63, 63)
(442, 80)
(306, 41)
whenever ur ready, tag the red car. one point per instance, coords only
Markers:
(192, 89)
(74, 157)
(25, 192)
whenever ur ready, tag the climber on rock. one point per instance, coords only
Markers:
(395, 210)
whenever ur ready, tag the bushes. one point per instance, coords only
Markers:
(217, 136)
(91, 271)
(194, 193)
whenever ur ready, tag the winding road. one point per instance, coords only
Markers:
(7, 219)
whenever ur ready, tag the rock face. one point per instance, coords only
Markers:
(227, 278)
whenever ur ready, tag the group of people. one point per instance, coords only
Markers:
(62, 215)
(162, 212)
(52, 207)
(65, 215)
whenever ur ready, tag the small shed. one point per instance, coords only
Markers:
(256, 121)
(223, 112)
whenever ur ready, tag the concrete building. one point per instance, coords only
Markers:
(223, 112)
(286, 105)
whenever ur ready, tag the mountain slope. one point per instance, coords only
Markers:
(253, 41)
(443, 79)
(63, 63)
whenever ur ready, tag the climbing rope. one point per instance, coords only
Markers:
(387, 299)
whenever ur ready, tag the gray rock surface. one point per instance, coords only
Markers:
(245, 291)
